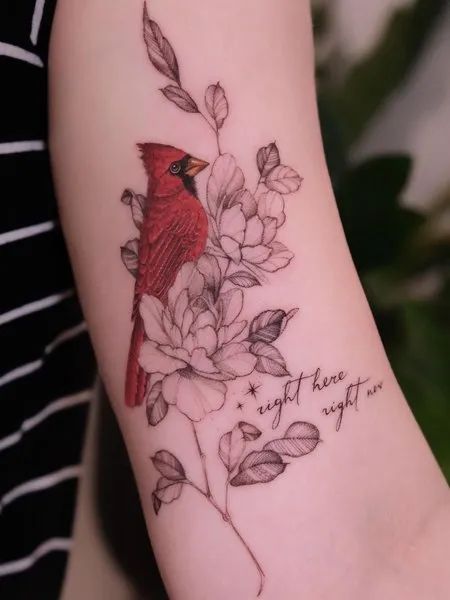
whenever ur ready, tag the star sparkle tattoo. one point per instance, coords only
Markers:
(252, 389)
(193, 260)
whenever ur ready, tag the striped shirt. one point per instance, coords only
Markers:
(46, 362)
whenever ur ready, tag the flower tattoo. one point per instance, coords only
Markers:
(192, 263)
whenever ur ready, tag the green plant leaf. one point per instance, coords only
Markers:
(376, 225)
(420, 359)
(370, 82)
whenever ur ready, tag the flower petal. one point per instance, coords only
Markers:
(225, 179)
(253, 232)
(231, 248)
(181, 283)
(194, 396)
(151, 311)
(188, 319)
(152, 380)
(208, 266)
(271, 204)
(279, 258)
(188, 278)
(170, 387)
(234, 359)
(171, 328)
(231, 305)
(203, 319)
(196, 284)
(181, 305)
(229, 332)
(200, 362)
(247, 202)
(153, 360)
(189, 343)
(206, 337)
(270, 230)
(180, 353)
(256, 254)
(232, 223)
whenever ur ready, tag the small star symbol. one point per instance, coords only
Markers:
(252, 389)
(240, 406)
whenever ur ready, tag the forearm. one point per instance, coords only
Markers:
(369, 485)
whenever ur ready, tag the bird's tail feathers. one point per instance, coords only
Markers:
(136, 377)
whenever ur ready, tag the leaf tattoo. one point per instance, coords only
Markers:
(216, 104)
(129, 254)
(244, 279)
(249, 431)
(160, 52)
(190, 338)
(269, 359)
(136, 202)
(181, 98)
(265, 465)
(156, 406)
(268, 158)
(233, 443)
(283, 179)
(300, 438)
(166, 491)
(259, 467)
(231, 447)
(168, 465)
(269, 324)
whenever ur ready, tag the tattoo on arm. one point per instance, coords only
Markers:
(193, 262)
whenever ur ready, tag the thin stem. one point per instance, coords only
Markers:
(225, 274)
(214, 129)
(209, 498)
(227, 518)
(257, 185)
(207, 121)
(227, 488)
(203, 460)
(227, 268)
(253, 557)
(218, 142)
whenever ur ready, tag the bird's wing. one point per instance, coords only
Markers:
(166, 244)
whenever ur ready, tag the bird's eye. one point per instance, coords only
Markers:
(175, 168)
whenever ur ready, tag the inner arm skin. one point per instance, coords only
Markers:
(366, 514)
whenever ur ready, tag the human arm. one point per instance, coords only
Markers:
(368, 488)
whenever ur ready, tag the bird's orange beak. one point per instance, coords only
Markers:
(195, 165)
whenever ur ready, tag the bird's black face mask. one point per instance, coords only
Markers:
(186, 169)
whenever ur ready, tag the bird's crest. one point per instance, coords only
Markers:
(157, 157)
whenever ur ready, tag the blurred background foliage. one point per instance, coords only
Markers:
(402, 255)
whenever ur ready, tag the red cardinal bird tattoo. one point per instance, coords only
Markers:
(174, 231)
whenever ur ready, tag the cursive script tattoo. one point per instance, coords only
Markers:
(294, 388)
(193, 262)
(352, 394)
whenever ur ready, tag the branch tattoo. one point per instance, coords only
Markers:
(192, 263)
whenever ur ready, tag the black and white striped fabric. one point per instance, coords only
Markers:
(46, 363)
